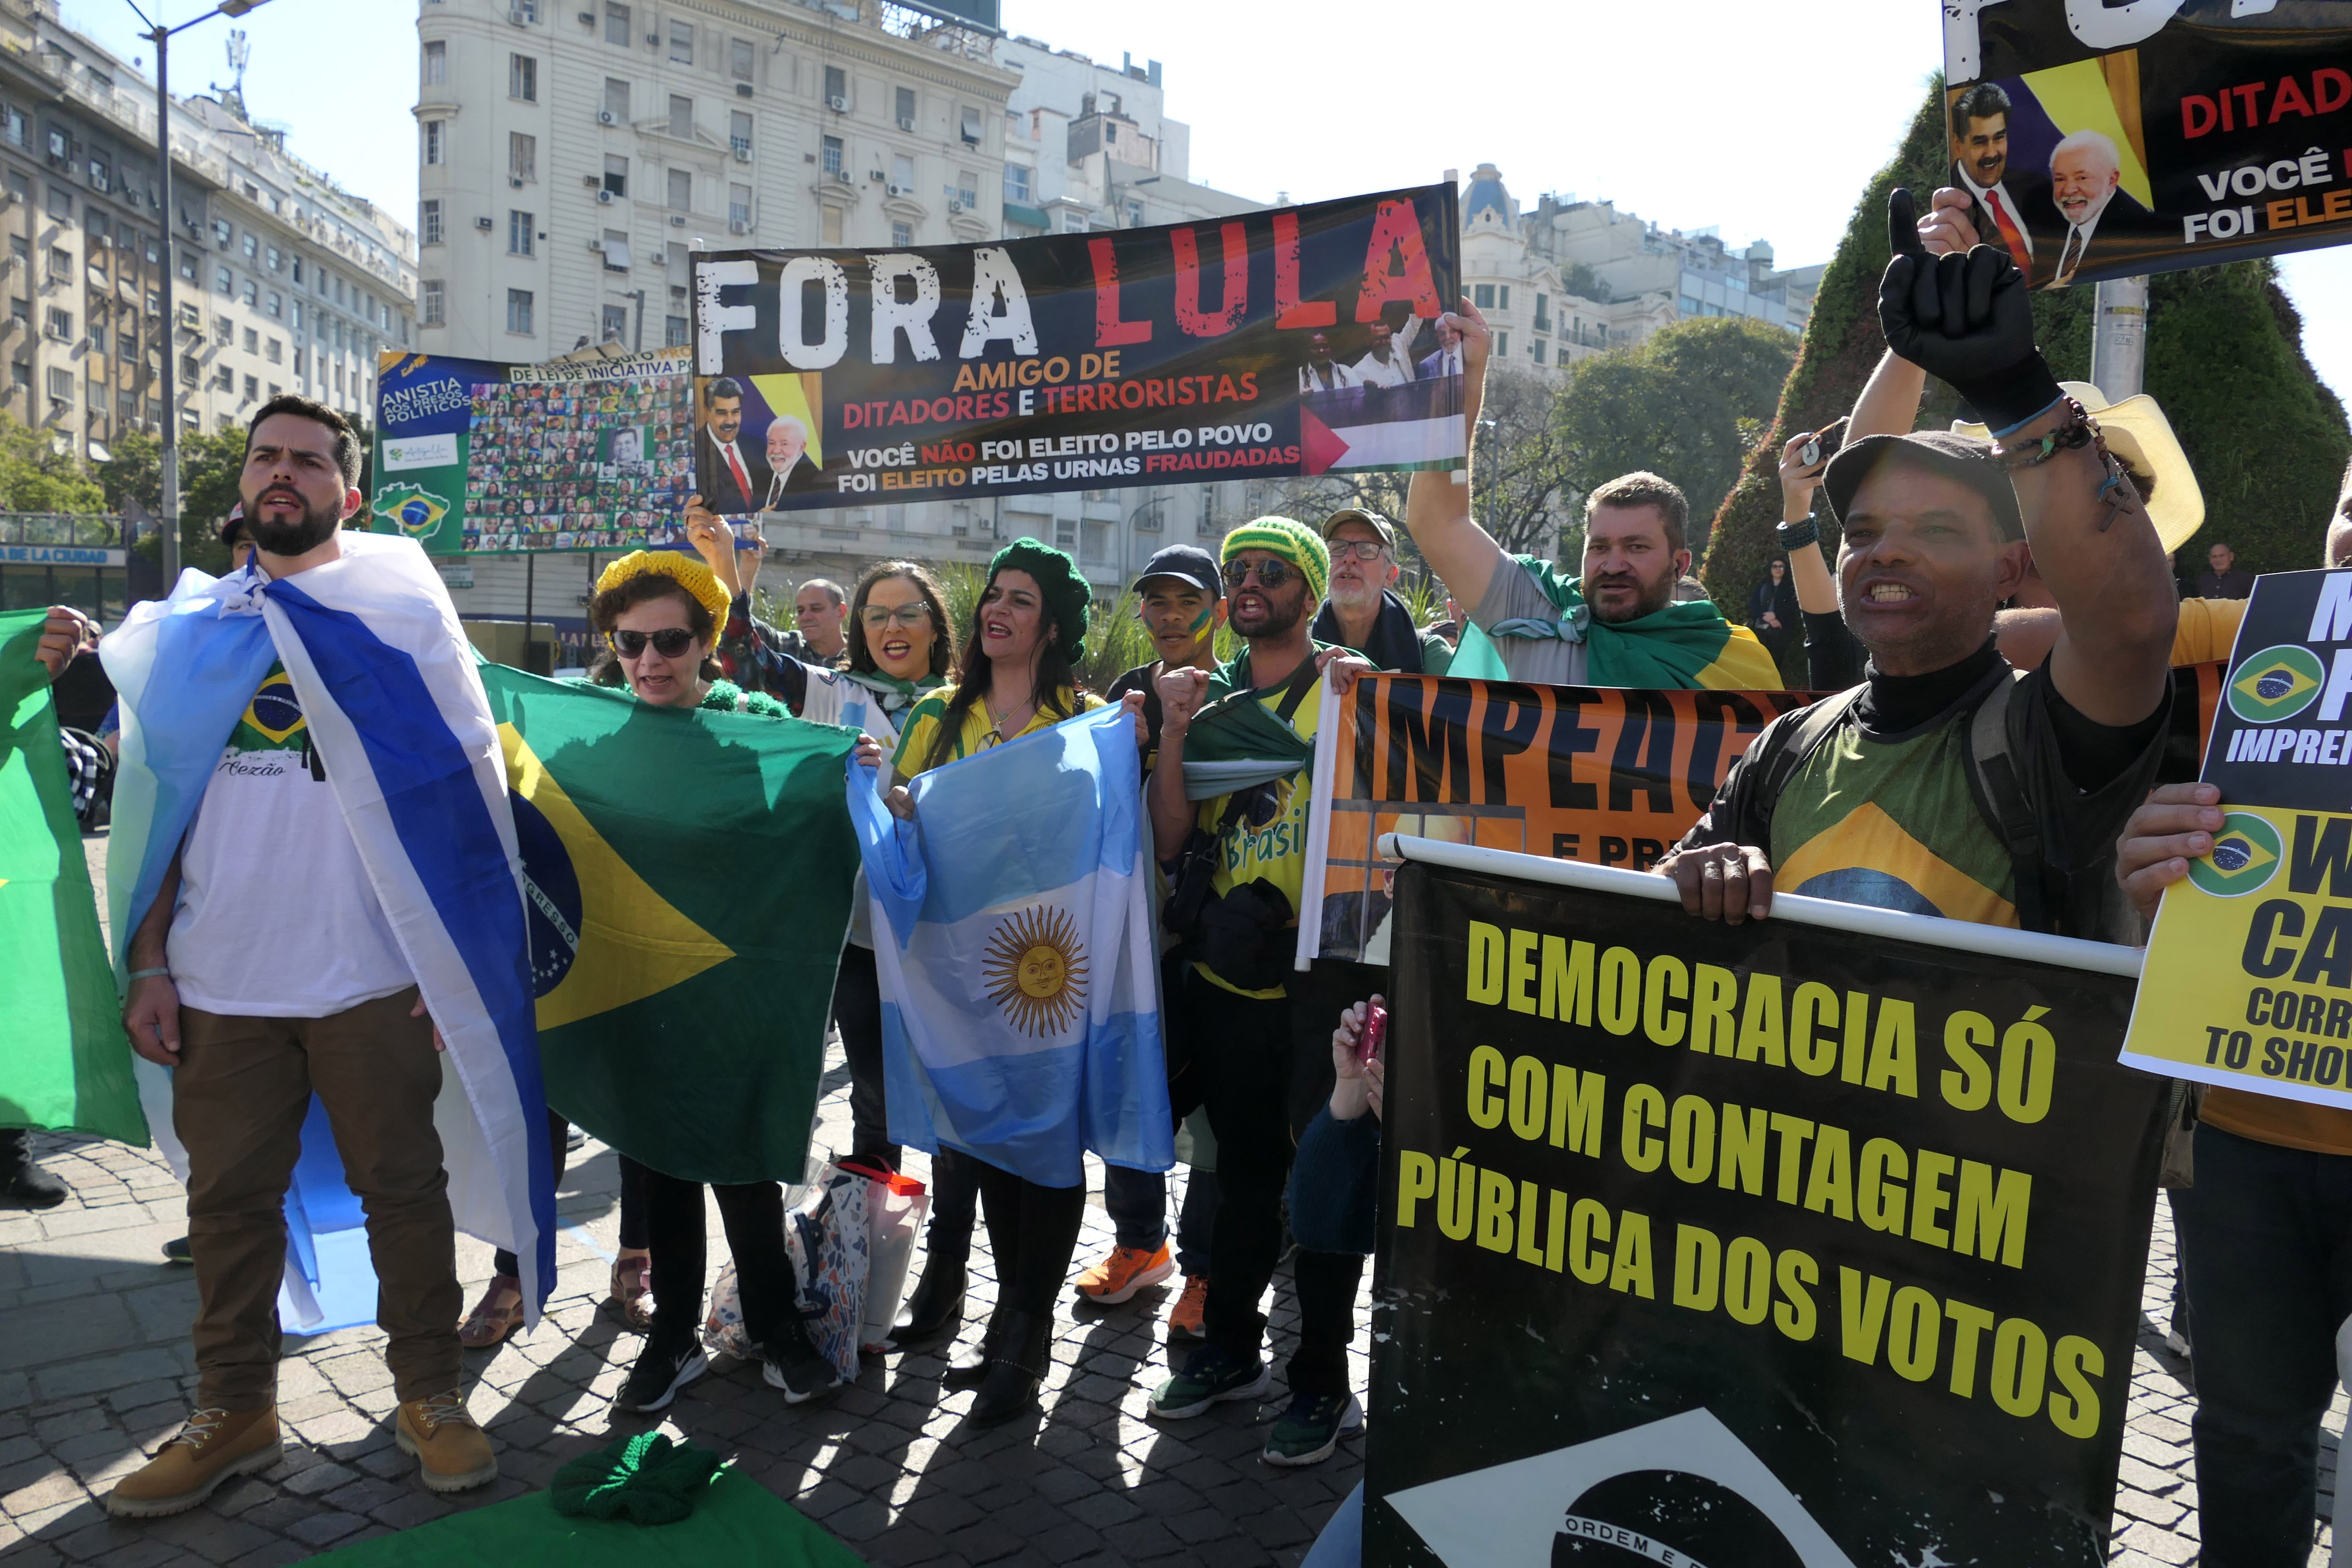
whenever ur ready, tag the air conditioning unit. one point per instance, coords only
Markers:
(743, 90)
(587, 18)
(907, 122)
(955, 206)
(515, 180)
(678, 222)
(742, 155)
(519, 17)
(597, 245)
(604, 198)
(737, 225)
(844, 177)
(838, 105)
(897, 190)
(483, 224)
(606, 117)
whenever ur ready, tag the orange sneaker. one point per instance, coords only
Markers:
(1184, 1318)
(1127, 1270)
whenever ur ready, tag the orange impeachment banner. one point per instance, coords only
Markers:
(1609, 776)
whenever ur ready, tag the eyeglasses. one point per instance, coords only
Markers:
(914, 617)
(670, 642)
(1270, 574)
(1358, 550)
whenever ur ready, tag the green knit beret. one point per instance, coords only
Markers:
(1064, 590)
(1294, 541)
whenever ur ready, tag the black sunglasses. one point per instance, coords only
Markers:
(670, 642)
(1270, 574)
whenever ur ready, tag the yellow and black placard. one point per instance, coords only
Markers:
(2249, 975)
(1762, 1245)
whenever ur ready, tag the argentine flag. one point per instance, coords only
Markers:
(386, 682)
(1019, 965)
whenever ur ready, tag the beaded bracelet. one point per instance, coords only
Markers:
(2074, 432)
(1797, 535)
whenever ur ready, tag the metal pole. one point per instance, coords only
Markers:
(170, 521)
(530, 584)
(2119, 338)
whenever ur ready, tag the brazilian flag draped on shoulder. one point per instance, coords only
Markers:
(688, 876)
(1687, 644)
(1235, 742)
(64, 1063)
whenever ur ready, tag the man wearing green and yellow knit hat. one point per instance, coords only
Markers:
(1614, 624)
(1229, 797)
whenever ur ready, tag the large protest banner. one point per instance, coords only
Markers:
(2123, 139)
(2250, 962)
(1292, 342)
(1809, 1242)
(476, 457)
(1604, 775)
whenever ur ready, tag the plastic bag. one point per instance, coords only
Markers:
(895, 1206)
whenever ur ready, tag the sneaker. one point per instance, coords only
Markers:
(1127, 1270)
(1210, 1377)
(1191, 1307)
(177, 1250)
(1311, 1428)
(795, 1365)
(452, 1453)
(31, 1187)
(216, 1445)
(661, 1371)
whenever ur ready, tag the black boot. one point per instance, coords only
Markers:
(968, 1367)
(1025, 1345)
(935, 1310)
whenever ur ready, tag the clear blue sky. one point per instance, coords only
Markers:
(1762, 121)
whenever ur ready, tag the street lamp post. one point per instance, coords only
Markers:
(161, 36)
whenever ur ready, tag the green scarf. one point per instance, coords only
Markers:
(1235, 741)
(644, 1479)
(1667, 648)
(896, 695)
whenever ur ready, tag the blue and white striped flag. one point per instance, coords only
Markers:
(1019, 965)
(386, 682)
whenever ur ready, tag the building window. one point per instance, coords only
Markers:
(522, 77)
(739, 59)
(248, 294)
(738, 132)
(61, 324)
(681, 190)
(252, 341)
(273, 304)
(188, 266)
(60, 265)
(682, 43)
(616, 100)
(902, 234)
(519, 228)
(617, 175)
(252, 245)
(830, 158)
(126, 345)
(428, 221)
(739, 205)
(60, 202)
(273, 259)
(967, 189)
(681, 117)
(222, 331)
(429, 306)
(616, 26)
(252, 388)
(523, 156)
(1536, 350)
(100, 178)
(1502, 345)
(14, 125)
(437, 64)
(617, 323)
(836, 87)
(1484, 293)
(829, 227)
(274, 352)
(97, 335)
(518, 311)
(61, 383)
(616, 250)
(189, 369)
(437, 142)
(526, 10)
(674, 333)
(1016, 184)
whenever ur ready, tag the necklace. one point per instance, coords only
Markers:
(996, 720)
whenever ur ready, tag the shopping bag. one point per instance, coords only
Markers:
(722, 1327)
(894, 1206)
(825, 1234)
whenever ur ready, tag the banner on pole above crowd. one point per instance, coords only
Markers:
(587, 452)
(1299, 340)
(2104, 140)
(1815, 1241)
(2249, 964)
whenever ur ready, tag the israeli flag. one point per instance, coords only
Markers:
(1019, 965)
(387, 683)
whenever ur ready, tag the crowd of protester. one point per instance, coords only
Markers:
(1998, 593)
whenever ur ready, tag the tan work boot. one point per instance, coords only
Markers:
(452, 1456)
(213, 1448)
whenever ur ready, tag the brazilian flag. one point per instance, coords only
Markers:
(2274, 684)
(688, 876)
(2245, 855)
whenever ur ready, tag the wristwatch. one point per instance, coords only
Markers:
(1791, 535)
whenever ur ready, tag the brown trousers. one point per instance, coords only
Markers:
(239, 1095)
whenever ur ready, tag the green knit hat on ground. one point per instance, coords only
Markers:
(1294, 541)
(1065, 592)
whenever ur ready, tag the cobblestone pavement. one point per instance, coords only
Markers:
(95, 1370)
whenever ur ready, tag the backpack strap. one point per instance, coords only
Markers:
(1303, 679)
(1793, 737)
(2001, 796)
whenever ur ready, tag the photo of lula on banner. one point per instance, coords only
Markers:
(1293, 342)
(2249, 978)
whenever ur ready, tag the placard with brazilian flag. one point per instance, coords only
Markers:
(64, 1063)
(689, 875)
(2249, 975)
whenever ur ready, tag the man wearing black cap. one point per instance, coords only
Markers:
(1183, 605)
(1936, 528)
(1360, 612)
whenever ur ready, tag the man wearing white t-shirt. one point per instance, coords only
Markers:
(266, 972)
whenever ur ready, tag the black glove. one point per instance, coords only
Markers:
(1967, 318)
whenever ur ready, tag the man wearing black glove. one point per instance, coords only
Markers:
(1936, 528)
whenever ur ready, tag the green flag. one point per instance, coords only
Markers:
(65, 1064)
(689, 875)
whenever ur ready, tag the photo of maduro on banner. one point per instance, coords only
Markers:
(1292, 342)
(2098, 142)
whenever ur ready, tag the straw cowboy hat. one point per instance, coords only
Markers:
(2138, 433)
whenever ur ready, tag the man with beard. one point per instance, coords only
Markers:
(1618, 623)
(264, 971)
(1256, 1046)
(2004, 195)
(1363, 613)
